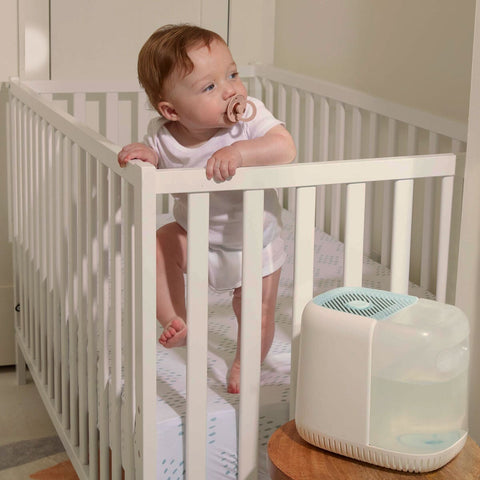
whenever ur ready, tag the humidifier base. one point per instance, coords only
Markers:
(406, 462)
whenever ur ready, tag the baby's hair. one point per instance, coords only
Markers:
(166, 51)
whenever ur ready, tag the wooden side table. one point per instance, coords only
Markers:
(291, 458)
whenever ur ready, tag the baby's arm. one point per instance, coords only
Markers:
(274, 148)
(137, 151)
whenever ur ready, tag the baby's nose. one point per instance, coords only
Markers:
(228, 92)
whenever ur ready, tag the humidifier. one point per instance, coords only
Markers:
(382, 378)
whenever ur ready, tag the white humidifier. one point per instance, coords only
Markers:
(382, 378)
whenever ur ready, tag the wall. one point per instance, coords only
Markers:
(414, 53)
(417, 53)
(8, 67)
(468, 284)
(101, 39)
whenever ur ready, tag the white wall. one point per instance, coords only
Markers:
(416, 53)
(8, 67)
(413, 52)
(468, 283)
(101, 40)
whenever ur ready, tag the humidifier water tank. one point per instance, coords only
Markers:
(382, 378)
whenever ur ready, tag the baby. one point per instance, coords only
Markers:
(189, 76)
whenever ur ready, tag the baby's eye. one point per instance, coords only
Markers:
(233, 75)
(209, 88)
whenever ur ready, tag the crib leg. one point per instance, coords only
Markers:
(21, 367)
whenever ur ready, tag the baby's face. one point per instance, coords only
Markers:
(200, 99)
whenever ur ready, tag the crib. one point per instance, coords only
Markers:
(373, 198)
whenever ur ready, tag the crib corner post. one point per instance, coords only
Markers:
(21, 366)
(145, 324)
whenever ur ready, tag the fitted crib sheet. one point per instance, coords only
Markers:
(222, 417)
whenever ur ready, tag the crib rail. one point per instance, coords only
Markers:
(331, 122)
(83, 231)
(83, 236)
(328, 122)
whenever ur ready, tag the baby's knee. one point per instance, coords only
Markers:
(172, 239)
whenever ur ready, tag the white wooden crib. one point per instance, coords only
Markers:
(83, 237)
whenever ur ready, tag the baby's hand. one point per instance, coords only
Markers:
(139, 151)
(223, 164)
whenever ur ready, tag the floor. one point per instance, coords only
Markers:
(28, 440)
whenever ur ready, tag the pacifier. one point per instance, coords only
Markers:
(236, 108)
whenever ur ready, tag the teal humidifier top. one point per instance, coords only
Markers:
(367, 302)
(383, 377)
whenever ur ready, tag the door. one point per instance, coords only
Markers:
(101, 39)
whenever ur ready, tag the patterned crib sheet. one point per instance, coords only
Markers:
(222, 418)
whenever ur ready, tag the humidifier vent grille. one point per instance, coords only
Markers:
(366, 302)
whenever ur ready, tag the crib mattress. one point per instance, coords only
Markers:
(222, 424)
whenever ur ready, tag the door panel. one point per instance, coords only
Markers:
(101, 39)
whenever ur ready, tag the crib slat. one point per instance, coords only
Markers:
(112, 117)
(303, 274)
(36, 248)
(269, 95)
(295, 132)
(356, 133)
(72, 299)
(339, 154)
(256, 90)
(128, 333)
(446, 201)
(91, 337)
(411, 140)
(145, 328)
(35, 233)
(115, 322)
(20, 324)
(79, 106)
(197, 320)
(322, 157)
(354, 224)
(57, 200)
(64, 255)
(282, 103)
(42, 240)
(81, 306)
(142, 115)
(295, 116)
(370, 192)
(50, 253)
(253, 202)
(388, 198)
(428, 222)
(102, 328)
(401, 235)
(28, 229)
(22, 230)
(11, 133)
(308, 129)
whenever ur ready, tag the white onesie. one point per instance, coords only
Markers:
(226, 222)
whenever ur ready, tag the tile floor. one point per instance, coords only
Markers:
(23, 417)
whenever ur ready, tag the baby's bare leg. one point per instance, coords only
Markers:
(269, 301)
(171, 265)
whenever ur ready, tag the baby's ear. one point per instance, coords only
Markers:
(167, 111)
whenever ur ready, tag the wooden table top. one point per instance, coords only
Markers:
(291, 458)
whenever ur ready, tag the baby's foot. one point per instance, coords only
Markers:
(233, 379)
(174, 334)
